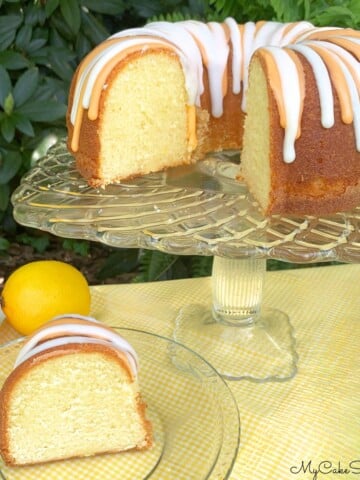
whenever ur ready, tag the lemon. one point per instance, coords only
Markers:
(40, 290)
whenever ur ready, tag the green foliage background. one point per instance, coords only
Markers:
(42, 42)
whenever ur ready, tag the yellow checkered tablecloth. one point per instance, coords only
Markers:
(288, 429)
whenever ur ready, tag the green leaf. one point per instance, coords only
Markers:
(4, 244)
(337, 16)
(201, 266)
(80, 247)
(26, 86)
(57, 23)
(5, 85)
(51, 88)
(43, 111)
(108, 7)
(9, 166)
(7, 128)
(83, 45)
(13, 60)
(286, 10)
(92, 28)
(34, 14)
(51, 6)
(354, 7)
(8, 27)
(35, 45)
(307, 9)
(57, 40)
(9, 104)
(122, 261)
(38, 243)
(60, 61)
(71, 12)
(243, 10)
(23, 124)
(147, 9)
(23, 36)
(155, 265)
(4, 197)
(40, 57)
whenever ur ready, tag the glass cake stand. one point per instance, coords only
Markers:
(197, 210)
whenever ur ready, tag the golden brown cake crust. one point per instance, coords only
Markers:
(87, 156)
(36, 360)
(225, 132)
(324, 158)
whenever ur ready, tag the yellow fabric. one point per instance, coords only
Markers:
(315, 417)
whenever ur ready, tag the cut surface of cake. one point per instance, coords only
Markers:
(73, 392)
(285, 94)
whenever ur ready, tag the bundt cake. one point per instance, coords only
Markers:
(73, 393)
(286, 95)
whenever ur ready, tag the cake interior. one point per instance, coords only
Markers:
(256, 140)
(73, 405)
(147, 95)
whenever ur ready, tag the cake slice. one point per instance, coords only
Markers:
(303, 168)
(73, 392)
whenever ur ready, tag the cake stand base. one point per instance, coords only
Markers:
(262, 350)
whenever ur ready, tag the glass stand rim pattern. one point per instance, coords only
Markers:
(195, 210)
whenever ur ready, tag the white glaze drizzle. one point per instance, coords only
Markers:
(189, 38)
(69, 333)
(313, 31)
(213, 40)
(268, 34)
(323, 83)
(298, 29)
(236, 42)
(88, 78)
(323, 80)
(290, 85)
(192, 59)
(354, 95)
(353, 39)
(341, 56)
(248, 36)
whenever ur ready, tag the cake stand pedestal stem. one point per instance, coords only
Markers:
(237, 286)
(233, 331)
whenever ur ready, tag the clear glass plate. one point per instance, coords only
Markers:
(197, 210)
(195, 417)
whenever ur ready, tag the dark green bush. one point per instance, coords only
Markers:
(42, 41)
(40, 44)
